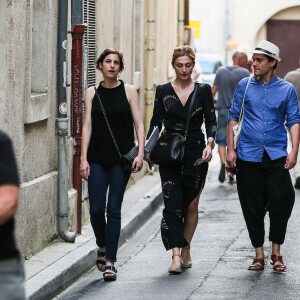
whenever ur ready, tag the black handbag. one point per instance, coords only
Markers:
(126, 159)
(170, 147)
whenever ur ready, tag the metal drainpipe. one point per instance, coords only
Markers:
(77, 72)
(62, 125)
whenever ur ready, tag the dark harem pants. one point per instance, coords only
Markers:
(262, 187)
(178, 192)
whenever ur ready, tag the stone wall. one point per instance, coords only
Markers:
(28, 104)
(28, 110)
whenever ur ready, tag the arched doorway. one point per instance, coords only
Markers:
(283, 29)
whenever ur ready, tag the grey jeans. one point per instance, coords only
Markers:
(12, 279)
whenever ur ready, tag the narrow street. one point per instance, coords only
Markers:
(221, 253)
(59, 61)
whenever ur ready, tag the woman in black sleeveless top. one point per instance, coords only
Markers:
(182, 185)
(101, 164)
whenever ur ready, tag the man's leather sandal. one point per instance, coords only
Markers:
(258, 264)
(279, 268)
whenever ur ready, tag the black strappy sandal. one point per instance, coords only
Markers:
(110, 273)
(101, 262)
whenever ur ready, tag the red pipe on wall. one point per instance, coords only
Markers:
(76, 95)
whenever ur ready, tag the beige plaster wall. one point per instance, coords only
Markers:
(34, 140)
(166, 39)
(115, 29)
(104, 28)
(37, 219)
(291, 13)
(3, 61)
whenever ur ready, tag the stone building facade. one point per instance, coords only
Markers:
(28, 92)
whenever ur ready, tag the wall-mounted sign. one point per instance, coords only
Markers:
(63, 108)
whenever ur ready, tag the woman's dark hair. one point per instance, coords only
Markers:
(106, 52)
(183, 51)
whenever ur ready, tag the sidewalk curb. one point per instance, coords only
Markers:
(61, 274)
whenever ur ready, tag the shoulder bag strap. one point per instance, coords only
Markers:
(186, 129)
(106, 120)
(243, 104)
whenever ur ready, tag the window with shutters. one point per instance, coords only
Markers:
(37, 106)
(89, 18)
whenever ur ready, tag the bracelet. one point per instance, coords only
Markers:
(211, 144)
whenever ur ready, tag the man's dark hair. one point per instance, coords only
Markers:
(270, 59)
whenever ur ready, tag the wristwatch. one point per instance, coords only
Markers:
(211, 144)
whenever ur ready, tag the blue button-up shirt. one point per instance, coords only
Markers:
(268, 109)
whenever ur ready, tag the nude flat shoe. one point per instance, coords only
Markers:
(175, 269)
(186, 264)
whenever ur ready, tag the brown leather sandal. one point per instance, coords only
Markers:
(100, 262)
(258, 264)
(280, 268)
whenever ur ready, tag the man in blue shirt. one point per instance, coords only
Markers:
(261, 158)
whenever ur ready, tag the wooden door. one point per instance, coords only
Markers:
(286, 35)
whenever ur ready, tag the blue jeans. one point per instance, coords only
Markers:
(12, 279)
(221, 136)
(106, 186)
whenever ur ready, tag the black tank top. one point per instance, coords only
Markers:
(101, 148)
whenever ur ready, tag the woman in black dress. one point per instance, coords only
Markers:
(182, 185)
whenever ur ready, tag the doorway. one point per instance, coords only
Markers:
(286, 35)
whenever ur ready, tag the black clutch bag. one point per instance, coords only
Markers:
(132, 154)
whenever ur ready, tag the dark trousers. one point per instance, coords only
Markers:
(106, 185)
(262, 187)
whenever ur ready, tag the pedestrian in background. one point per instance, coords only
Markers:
(227, 78)
(294, 78)
(101, 164)
(11, 265)
(263, 179)
(197, 71)
(249, 67)
(182, 185)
